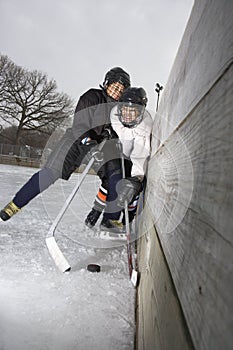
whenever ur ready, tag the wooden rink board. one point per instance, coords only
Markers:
(185, 254)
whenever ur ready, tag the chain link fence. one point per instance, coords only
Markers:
(20, 155)
(28, 156)
(20, 151)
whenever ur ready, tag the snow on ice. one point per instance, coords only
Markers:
(43, 309)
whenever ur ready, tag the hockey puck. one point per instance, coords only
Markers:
(93, 268)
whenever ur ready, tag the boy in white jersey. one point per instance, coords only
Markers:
(132, 124)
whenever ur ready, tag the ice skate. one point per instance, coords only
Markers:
(9, 210)
(92, 218)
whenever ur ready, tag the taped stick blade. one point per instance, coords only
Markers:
(57, 255)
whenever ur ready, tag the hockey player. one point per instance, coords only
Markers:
(90, 127)
(132, 124)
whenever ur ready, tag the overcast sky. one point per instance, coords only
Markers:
(77, 41)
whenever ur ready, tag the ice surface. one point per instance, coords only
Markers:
(41, 308)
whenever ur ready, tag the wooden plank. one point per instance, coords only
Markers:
(199, 246)
(161, 324)
(203, 55)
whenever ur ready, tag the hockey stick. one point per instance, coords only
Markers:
(51, 243)
(132, 272)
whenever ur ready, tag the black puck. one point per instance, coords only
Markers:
(93, 268)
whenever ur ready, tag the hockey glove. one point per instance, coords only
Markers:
(130, 187)
(107, 133)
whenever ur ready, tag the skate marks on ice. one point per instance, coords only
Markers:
(45, 309)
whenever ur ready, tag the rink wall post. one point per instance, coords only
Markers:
(185, 249)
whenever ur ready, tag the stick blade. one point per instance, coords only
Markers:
(57, 255)
(112, 236)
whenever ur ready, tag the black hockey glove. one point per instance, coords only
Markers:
(130, 188)
(107, 133)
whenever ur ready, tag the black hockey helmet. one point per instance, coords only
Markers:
(116, 75)
(131, 106)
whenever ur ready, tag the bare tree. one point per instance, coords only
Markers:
(29, 100)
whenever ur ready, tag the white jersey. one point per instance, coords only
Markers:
(135, 141)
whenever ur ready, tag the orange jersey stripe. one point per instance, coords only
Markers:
(102, 196)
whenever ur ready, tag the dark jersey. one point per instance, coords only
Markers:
(92, 115)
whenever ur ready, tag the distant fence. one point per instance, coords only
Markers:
(26, 156)
(20, 155)
(20, 151)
